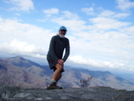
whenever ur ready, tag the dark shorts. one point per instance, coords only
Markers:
(53, 63)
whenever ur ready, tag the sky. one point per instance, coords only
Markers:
(101, 32)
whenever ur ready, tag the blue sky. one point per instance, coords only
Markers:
(101, 32)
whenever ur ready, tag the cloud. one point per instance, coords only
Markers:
(108, 23)
(17, 14)
(79, 59)
(105, 20)
(7, 1)
(112, 14)
(70, 20)
(69, 15)
(22, 48)
(105, 13)
(103, 46)
(129, 31)
(124, 4)
(89, 11)
(73, 24)
(13, 32)
(21, 5)
(51, 11)
(101, 65)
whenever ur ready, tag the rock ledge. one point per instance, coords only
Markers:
(8, 93)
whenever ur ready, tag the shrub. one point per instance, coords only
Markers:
(85, 82)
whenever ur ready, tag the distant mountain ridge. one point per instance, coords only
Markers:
(21, 62)
(19, 71)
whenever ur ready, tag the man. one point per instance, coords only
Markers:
(55, 57)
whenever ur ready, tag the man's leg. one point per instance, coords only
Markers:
(59, 77)
(56, 76)
(57, 73)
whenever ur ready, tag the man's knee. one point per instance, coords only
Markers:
(58, 66)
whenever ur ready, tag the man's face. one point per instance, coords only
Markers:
(63, 32)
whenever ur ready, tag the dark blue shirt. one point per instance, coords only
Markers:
(56, 49)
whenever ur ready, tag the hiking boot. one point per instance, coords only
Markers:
(53, 86)
(60, 87)
(57, 86)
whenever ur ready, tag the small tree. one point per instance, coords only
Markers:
(85, 82)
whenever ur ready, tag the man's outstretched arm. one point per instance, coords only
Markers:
(67, 51)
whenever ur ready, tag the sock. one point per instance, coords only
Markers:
(53, 81)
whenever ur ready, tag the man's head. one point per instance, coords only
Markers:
(62, 31)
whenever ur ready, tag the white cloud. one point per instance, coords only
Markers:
(112, 14)
(121, 15)
(51, 11)
(70, 20)
(25, 34)
(89, 10)
(48, 14)
(73, 24)
(101, 65)
(6, 1)
(69, 15)
(79, 59)
(17, 14)
(21, 5)
(103, 46)
(107, 23)
(124, 4)
(107, 13)
(106, 20)
(128, 30)
(23, 48)
(41, 20)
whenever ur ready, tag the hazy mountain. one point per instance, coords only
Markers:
(127, 76)
(21, 72)
(25, 73)
(99, 79)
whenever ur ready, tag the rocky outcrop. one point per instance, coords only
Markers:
(8, 93)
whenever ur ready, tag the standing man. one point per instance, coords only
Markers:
(55, 57)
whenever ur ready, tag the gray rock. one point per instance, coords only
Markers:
(8, 93)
